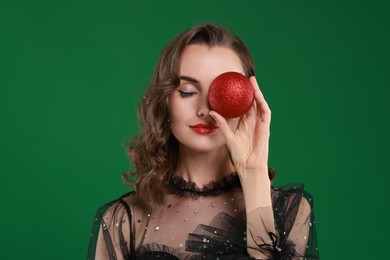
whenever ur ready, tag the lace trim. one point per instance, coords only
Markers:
(181, 187)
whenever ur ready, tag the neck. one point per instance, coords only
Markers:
(204, 167)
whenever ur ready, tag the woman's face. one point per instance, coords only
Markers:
(188, 105)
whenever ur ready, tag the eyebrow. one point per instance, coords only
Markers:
(187, 78)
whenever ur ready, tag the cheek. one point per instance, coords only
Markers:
(177, 110)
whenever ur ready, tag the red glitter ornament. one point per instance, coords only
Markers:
(231, 94)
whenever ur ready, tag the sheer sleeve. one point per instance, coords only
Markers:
(111, 233)
(286, 230)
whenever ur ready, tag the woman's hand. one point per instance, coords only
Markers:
(248, 145)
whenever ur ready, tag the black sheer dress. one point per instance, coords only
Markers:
(206, 223)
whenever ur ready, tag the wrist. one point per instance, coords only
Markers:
(254, 176)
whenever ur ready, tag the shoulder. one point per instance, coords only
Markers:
(292, 205)
(291, 190)
(119, 208)
(293, 197)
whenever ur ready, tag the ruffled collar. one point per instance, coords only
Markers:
(181, 187)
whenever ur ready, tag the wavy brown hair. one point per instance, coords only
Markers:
(154, 152)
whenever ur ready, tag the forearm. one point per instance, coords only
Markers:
(256, 187)
(260, 220)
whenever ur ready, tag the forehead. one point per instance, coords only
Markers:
(201, 61)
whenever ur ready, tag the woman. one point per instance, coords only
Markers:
(202, 182)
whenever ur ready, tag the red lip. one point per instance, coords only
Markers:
(204, 128)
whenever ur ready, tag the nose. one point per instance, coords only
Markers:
(204, 109)
(203, 113)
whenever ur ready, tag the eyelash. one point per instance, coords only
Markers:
(186, 94)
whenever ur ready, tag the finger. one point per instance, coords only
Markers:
(262, 105)
(222, 125)
(258, 95)
(252, 110)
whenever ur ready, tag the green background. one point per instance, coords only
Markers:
(72, 74)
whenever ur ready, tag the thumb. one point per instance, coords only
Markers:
(223, 126)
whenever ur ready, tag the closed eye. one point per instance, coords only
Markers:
(186, 94)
